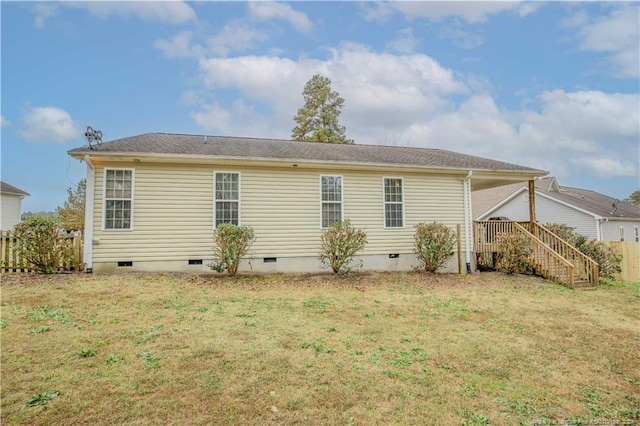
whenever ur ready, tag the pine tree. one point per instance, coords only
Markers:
(72, 214)
(634, 198)
(317, 120)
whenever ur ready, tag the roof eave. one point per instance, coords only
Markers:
(191, 158)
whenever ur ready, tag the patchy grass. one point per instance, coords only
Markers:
(368, 349)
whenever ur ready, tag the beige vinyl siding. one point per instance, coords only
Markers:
(173, 211)
(172, 215)
(427, 198)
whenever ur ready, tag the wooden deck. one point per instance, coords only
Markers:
(551, 257)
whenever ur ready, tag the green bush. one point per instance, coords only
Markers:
(339, 244)
(514, 251)
(566, 232)
(38, 241)
(433, 244)
(608, 261)
(232, 244)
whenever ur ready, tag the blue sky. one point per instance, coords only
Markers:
(553, 86)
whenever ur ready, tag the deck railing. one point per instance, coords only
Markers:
(552, 257)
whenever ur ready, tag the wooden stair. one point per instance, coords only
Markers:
(583, 285)
(551, 257)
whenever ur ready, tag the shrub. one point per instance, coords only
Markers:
(39, 243)
(565, 232)
(514, 251)
(232, 244)
(339, 244)
(433, 244)
(608, 261)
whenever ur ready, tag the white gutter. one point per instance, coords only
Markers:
(88, 215)
(466, 190)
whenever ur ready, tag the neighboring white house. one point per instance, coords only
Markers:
(594, 215)
(10, 205)
(154, 200)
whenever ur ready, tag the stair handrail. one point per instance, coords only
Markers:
(552, 256)
(586, 267)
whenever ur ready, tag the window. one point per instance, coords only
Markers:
(393, 203)
(331, 199)
(118, 198)
(227, 198)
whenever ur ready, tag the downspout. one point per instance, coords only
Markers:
(599, 228)
(466, 190)
(88, 215)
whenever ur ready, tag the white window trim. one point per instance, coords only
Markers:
(341, 197)
(104, 198)
(384, 204)
(239, 195)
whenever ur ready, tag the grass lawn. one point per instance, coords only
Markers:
(370, 349)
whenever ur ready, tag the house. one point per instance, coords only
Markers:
(10, 205)
(154, 200)
(596, 216)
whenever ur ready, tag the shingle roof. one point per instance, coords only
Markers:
(590, 201)
(275, 149)
(597, 203)
(486, 199)
(5, 188)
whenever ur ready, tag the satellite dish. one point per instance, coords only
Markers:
(614, 205)
(93, 136)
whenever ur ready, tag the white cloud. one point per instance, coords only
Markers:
(381, 96)
(378, 12)
(192, 97)
(574, 113)
(470, 11)
(476, 126)
(170, 12)
(49, 124)
(617, 34)
(405, 42)
(610, 166)
(43, 11)
(213, 117)
(4, 122)
(412, 99)
(179, 46)
(235, 37)
(268, 10)
(583, 129)
(461, 36)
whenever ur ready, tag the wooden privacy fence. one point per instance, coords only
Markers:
(630, 265)
(12, 262)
